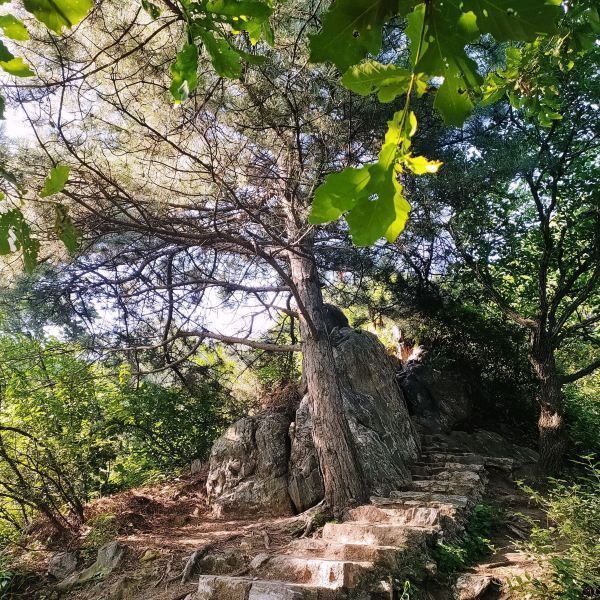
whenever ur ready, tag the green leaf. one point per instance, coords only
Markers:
(351, 30)
(14, 227)
(225, 59)
(381, 209)
(184, 73)
(151, 8)
(447, 32)
(13, 28)
(55, 182)
(17, 67)
(65, 229)
(338, 194)
(389, 81)
(452, 101)
(522, 20)
(56, 14)
(5, 54)
(240, 8)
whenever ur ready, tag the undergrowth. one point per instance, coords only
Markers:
(569, 548)
(472, 545)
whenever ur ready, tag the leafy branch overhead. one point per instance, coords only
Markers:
(439, 33)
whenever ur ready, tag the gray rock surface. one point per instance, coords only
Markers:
(248, 467)
(265, 463)
(110, 556)
(305, 483)
(471, 586)
(62, 564)
(438, 401)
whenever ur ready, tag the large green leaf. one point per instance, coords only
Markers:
(56, 14)
(65, 229)
(17, 67)
(351, 30)
(388, 81)
(225, 59)
(240, 8)
(13, 28)
(184, 73)
(14, 228)
(370, 197)
(515, 19)
(338, 194)
(381, 209)
(56, 180)
(452, 101)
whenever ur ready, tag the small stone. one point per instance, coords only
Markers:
(62, 564)
(149, 555)
(259, 560)
(471, 586)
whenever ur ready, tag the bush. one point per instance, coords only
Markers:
(582, 409)
(71, 430)
(569, 549)
(472, 545)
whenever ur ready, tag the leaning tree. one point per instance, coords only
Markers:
(176, 202)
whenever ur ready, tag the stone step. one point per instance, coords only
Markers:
(321, 572)
(222, 587)
(378, 534)
(445, 487)
(421, 516)
(458, 477)
(320, 548)
(459, 502)
(440, 457)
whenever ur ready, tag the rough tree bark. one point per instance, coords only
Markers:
(342, 475)
(551, 431)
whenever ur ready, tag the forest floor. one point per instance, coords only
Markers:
(163, 524)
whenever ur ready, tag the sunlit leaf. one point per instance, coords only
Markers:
(240, 8)
(17, 67)
(388, 81)
(452, 101)
(225, 59)
(338, 194)
(515, 19)
(351, 30)
(184, 76)
(13, 28)
(56, 14)
(55, 182)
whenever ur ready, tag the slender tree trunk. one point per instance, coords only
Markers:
(342, 473)
(552, 438)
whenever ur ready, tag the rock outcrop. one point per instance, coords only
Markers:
(266, 463)
(438, 401)
(248, 467)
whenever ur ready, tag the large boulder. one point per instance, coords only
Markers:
(377, 414)
(438, 401)
(248, 467)
(266, 464)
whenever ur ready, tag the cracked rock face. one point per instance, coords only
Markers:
(267, 464)
(248, 467)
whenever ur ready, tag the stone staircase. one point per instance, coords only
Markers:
(378, 546)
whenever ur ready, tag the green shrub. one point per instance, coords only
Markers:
(472, 545)
(569, 549)
(582, 409)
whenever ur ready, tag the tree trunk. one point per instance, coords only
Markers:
(552, 439)
(342, 474)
